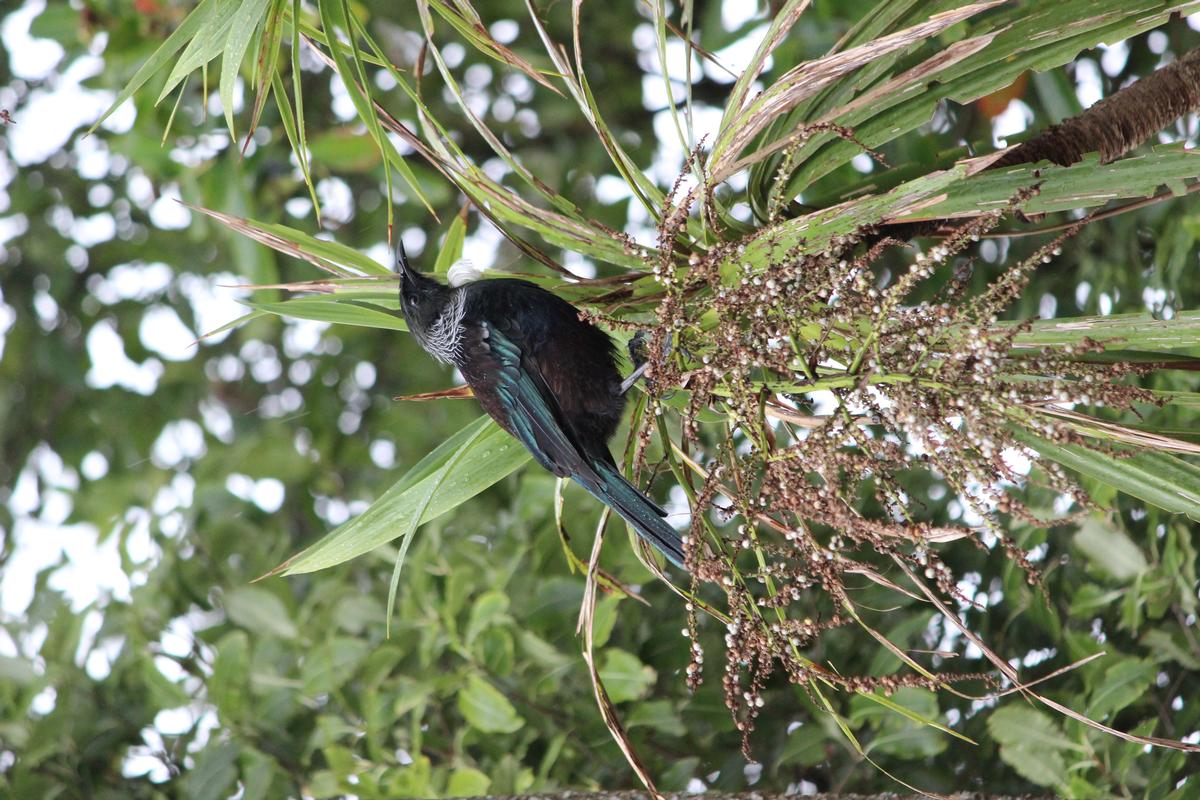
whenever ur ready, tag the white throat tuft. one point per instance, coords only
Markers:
(462, 272)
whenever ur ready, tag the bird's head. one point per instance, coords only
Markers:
(422, 298)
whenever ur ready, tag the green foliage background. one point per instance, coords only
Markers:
(193, 681)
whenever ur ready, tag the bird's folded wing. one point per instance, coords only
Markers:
(534, 414)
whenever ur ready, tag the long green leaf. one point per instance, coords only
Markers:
(293, 127)
(301, 137)
(963, 190)
(1168, 482)
(1083, 185)
(228, 326)
(481, 454)
(1139, 332)
(245, 21)
(431, 486)
(452, 244)
(335, 14)
(327, 308)
(160, 58)
(205, 45)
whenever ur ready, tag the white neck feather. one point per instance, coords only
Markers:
(443, 338)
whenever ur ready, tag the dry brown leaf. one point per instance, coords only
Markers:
(1009, 672)
(1132, 436)
(455, 393)
(608, 711)
(272, 241)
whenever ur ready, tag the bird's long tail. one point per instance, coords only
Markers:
(640, 511)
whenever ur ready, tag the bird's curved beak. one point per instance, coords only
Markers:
(402, 266)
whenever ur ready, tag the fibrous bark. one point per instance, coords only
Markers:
(1119, 122)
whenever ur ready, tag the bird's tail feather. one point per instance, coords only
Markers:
(640, 511)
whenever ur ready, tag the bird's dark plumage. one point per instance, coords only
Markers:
(547, 377)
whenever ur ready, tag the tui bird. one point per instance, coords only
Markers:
(546, 376)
